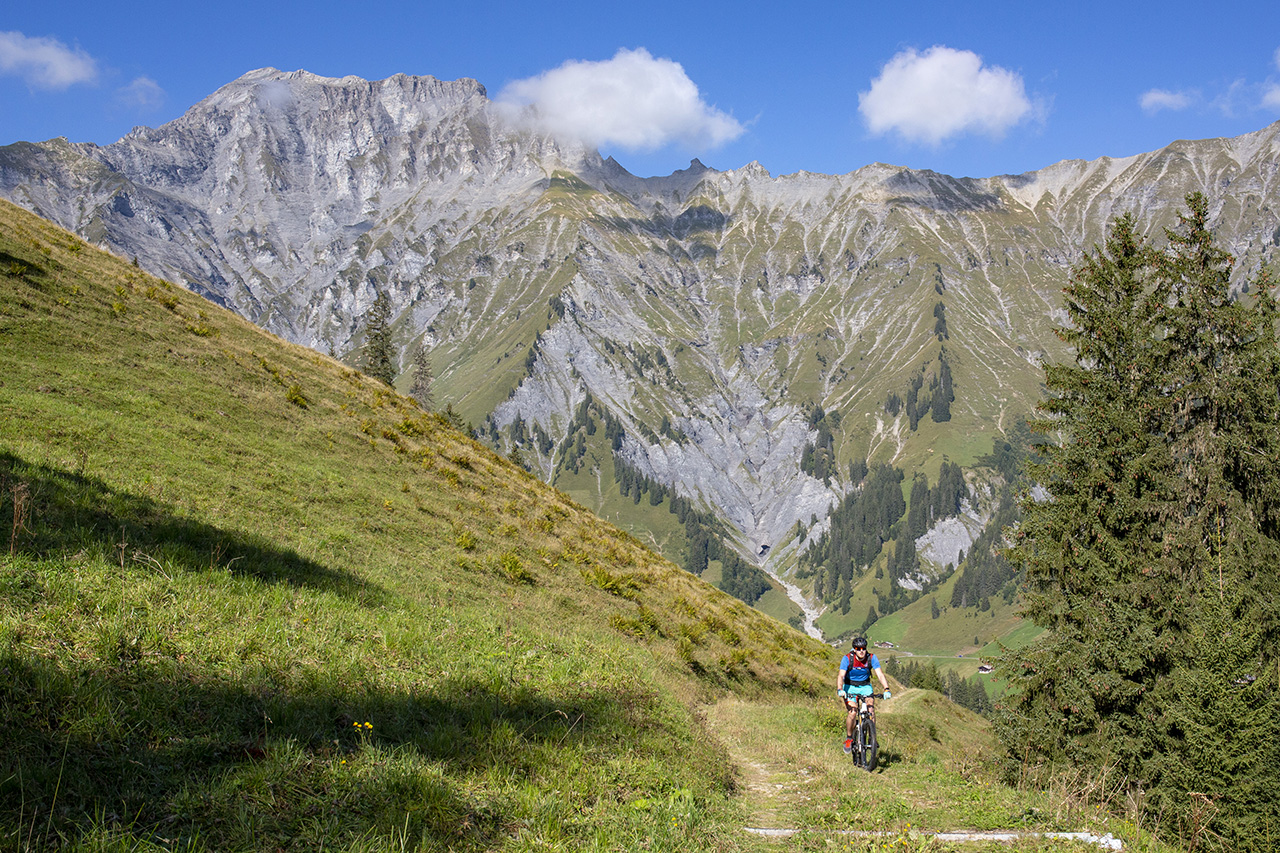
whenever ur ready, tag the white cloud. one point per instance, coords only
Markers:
(143, 94)
(1155, 100)
(1271, 92)
(933, 96)
(1239, 97)
(275, 95)
(632, 100)
(45, 63)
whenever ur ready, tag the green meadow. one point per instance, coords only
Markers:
(251, 599)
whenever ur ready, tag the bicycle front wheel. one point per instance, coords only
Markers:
(870, 747)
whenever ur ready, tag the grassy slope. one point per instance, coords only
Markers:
(252, 600)
(233, 550)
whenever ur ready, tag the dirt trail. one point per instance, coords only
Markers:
(797, 781)
(779, 776)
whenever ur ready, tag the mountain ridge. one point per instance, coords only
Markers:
(725, 305)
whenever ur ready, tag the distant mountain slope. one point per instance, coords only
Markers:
(708, 313)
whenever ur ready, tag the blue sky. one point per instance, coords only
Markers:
(967, 89)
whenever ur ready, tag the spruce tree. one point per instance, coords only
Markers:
(1081, 548)
(1161, 490)
(872, 616)
(420, 389)
(1224, 728)
(919, 516)
(927, 677)
(1222, 540)
(379, 352)
(1224, 476)
(843, 593)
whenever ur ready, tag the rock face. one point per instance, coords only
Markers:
(708, 312)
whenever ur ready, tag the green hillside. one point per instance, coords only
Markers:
(251, 599)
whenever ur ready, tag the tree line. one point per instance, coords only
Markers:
(985, 571)
(968, 693)
(704, 540)
(874, 519)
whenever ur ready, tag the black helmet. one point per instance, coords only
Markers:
(859, 642)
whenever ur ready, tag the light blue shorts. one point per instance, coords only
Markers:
(858, 689)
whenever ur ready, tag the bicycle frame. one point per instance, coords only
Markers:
(865, 744)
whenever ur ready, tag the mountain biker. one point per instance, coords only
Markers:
(855, 680)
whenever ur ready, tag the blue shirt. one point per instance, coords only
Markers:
(856, 671)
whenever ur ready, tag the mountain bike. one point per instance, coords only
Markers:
(865, 746)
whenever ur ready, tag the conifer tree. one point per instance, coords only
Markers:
(919, 515)
(927, 677)
(379, 354)
(1081, 548)
(1163, 490)
(1225, 727)
(843, 593)
(420, 390)
(872, 616)
(696, 560)
(943, 393)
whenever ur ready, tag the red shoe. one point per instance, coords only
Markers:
(848, 744)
